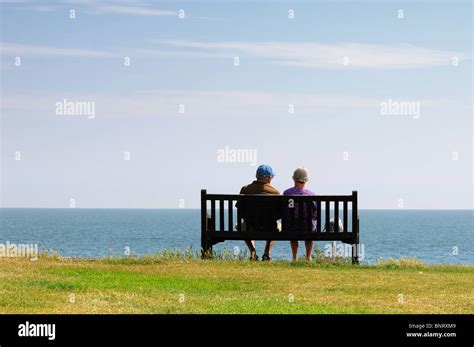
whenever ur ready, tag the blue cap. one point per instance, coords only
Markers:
(265, 171)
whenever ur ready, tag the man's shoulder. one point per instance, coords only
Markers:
(245, 188)
(271, 190)
(258, 188)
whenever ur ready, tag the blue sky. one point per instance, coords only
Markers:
(336, 63)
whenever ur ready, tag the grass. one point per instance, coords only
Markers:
(174, 282)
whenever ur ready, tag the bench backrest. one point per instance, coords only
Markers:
(298, 214)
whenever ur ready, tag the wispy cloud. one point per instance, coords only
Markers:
(320, 55)
(15, 49)
(125, 8)
(166, 103)
(38, 8)
(135, 10)
(163, 53)
(308, 55)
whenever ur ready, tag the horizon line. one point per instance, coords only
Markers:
(197, 208)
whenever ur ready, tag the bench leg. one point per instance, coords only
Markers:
(206, 249)
(355, 258)
(206, 244)
(356, 247)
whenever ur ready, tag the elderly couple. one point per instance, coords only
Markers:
(262, 185)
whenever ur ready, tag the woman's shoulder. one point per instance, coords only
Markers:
(296, 191)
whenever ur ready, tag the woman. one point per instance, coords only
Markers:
(300, 177)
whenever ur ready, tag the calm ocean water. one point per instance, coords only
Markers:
(428, 235)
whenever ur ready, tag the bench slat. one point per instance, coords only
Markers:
(318, 216)
(213, 215)
(346, 228)
(280, 236)
(239, 197)
(231, 214)
(221, 215)
(239, 219)
(328, 211)
(309, 218)
(300, 216)
(291, 213)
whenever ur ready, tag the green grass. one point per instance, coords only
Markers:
(174, 282)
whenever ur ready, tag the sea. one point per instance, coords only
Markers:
(432, 236)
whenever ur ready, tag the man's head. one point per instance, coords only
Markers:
(265, 173)
(300, 176)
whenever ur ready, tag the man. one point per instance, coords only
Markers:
(300, 177)
(249, 211)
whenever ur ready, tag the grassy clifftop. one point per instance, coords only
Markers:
(188, 285)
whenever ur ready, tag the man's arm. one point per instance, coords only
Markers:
(237, 204)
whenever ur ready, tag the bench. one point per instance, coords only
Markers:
(221, 220)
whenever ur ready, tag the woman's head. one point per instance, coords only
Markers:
(300, 176)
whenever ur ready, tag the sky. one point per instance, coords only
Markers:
(131, 104)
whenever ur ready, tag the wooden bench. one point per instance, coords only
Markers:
(221, 221)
